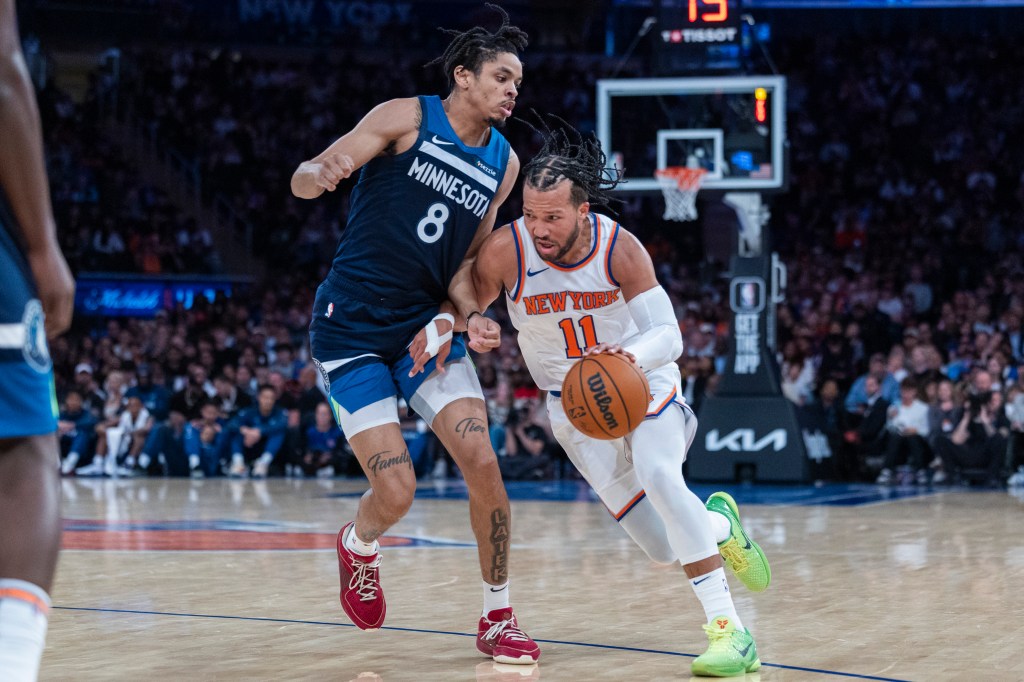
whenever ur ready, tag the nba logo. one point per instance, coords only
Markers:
(748, 295)
(330, 310)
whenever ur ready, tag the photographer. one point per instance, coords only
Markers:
(527, 447)
(979, 440)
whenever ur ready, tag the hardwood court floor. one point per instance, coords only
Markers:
(226, 580)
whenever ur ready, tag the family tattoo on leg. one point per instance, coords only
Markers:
(379, 462)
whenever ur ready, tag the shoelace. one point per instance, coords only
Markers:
(364, 579)
(717, 637)
(734, 555)
(508, 628)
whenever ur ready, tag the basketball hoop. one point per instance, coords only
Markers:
(680, 185)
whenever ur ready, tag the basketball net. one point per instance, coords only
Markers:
(680, 185)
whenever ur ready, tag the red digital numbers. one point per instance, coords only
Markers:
(721, 14)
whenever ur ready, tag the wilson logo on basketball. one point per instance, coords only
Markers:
(601, 397)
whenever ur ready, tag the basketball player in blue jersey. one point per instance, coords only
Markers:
(433, 173)
(36, 297)
(579, 284)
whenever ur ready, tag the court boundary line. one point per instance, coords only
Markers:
(613, 647)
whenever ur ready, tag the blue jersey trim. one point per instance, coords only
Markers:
(608, 257)
(519, 263)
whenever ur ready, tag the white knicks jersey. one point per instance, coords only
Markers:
(560, 310)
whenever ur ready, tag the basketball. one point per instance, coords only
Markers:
(605, 396)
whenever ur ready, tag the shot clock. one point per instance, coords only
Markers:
(697, 35)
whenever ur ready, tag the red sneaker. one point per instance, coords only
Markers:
(498, 635)
(361, 593)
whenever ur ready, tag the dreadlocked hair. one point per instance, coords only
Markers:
(471, 49)
(566, 154)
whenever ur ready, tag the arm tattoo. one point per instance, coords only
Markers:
(499, 546)
(380, 461)
(470, 425)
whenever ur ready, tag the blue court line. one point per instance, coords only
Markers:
(462, 634)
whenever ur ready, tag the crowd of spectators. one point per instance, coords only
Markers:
(111, 219)
(249, 118)
(903, 231)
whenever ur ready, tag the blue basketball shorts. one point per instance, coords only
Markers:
(361, 350)
(28, 404)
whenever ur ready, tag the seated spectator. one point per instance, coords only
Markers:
(190, 398)
(866, 426)
(798, 378)
(76, 430)
(907, 428)
(943, 416)
(857, 398)
(322, 444)
(92, 395)
(260, 435)
(205, 440)
(156, 398)
(229, 398)
(978, 441)
(119, 444)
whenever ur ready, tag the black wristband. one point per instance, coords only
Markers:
(475, 312)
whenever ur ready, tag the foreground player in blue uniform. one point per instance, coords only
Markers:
(36, 296)
(433, 174)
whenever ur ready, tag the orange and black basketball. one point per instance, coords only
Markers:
(605, 396)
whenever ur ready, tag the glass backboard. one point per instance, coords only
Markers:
(732, 126)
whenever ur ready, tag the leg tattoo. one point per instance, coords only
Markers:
(381, 461)
(499, 546)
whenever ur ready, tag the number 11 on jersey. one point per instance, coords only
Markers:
(572, 344)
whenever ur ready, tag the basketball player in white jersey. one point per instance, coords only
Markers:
(576, 284)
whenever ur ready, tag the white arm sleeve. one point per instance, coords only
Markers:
(660, 341)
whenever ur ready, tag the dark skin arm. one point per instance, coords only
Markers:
(23, 178)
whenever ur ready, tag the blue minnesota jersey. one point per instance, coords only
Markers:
(414, 215)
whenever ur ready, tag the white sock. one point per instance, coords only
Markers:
(713, 591)
(24, 608)
(144, 461)
(720, 526)
(495, 597)
(354, 544)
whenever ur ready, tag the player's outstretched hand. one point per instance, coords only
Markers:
(612, 348)
(484, 333)
(333, 169)
(418, 349)
(56, 288)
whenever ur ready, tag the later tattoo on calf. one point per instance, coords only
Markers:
(499, 546)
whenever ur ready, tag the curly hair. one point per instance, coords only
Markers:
(567, 154)
(472, 48)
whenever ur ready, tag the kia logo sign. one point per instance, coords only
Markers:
(744, 440)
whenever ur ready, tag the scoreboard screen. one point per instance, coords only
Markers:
(697, 35)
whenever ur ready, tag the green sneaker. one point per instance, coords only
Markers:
(741, 554)
(730, 653)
